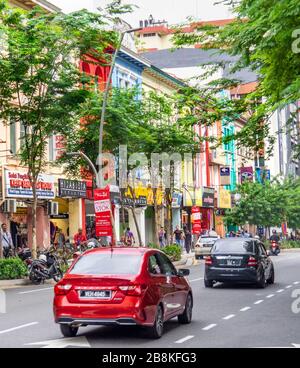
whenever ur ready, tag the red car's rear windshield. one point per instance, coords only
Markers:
(107, 264)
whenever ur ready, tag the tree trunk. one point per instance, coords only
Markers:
(156, 219)
(34, 213)
(134, 217)
(137, 226)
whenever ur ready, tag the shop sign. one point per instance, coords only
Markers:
(17, 185)
(103, 212)
(225, 175)
(224, 199)
(140, 194)
(196, 220)
(176, 200)
(208, 197)
(60, 216)
(71, 188)
(246, 174)
(192, 198)
(59, 146)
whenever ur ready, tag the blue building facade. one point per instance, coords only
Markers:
(128, 70)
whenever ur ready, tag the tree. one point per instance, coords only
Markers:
(266, 38)
(268, 204)
(144, 122)
(41, 87)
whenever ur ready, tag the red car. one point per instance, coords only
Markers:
(122, 286)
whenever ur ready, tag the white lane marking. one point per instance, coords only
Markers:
(18, 327)
(200, 278)
(180, 341)
(258, 301)
(270, 296)
(80, 341)
(229, 316)
(209, 327)
(35, 291)
(245, 309)
(296, 282)
(280, 291)
(288, 287)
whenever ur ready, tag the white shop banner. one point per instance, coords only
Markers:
(17, 185)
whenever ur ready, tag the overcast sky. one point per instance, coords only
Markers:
(174, 11)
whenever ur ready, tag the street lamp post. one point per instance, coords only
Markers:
(106, 92)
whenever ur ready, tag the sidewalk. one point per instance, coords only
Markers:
(186, 260)
(21, 282)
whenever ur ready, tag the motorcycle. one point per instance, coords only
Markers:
(46, 267)
(274, 248)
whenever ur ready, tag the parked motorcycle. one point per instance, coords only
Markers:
(274, 248)
(46, 267)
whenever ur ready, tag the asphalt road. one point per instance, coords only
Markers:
(225, 316)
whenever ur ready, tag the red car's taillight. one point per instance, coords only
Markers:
(208, 260)
(133, 290)
(62, 289)
(252, 262)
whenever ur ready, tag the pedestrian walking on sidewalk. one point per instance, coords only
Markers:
(7, 242)
(177, 235)
(187, 240)
(162, 237)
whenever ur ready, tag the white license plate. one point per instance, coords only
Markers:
(95, 294)
(233, 262)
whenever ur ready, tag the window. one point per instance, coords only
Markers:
(111, 263)
(166, 264)
(228, 246)
(154, 267)
(22, 134)
(149, 34)
(12, 137)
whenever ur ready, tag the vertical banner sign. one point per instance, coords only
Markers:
(102, 212)
(246, 174)
(196, 220)
(225, 175)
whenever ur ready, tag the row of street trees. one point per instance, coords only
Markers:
(269, 204)
(41, 88)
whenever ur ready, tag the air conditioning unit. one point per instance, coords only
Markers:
(10, 206)
(52, 208)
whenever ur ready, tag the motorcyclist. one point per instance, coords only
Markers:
(275, 238)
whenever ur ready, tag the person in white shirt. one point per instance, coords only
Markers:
(7, 242)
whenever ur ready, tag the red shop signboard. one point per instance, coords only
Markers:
(196, 220)
(103, 212)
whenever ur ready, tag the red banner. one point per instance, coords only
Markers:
(196, 220)
(103, 212)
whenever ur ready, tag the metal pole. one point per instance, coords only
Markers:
(105, 96)
(104, 104)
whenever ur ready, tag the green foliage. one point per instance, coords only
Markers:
(172, 251)
(142, 121)
(265, 38)
(268, 204)
(289, 244)
(12, 268)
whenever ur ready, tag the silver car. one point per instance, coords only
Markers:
(204, 245)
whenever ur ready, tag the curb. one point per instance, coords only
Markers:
(290, 250)
(21, 282)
